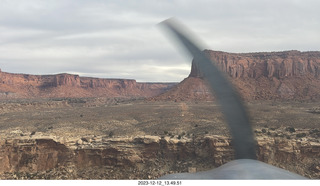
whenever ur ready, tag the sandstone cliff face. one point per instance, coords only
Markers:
(272, 64)
(31, 155)
(154, 155)
(68, 85)
(268, 75)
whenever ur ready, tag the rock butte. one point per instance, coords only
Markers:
(289, 75)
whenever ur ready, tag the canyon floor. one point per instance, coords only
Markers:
(90, 123)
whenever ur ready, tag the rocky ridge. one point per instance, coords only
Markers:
(289, 75)
(69, 85)
(148, 157)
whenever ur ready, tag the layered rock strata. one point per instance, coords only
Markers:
(144, 157)
(69, 85)
(289, 75)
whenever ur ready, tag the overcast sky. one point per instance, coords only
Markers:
(120, 38)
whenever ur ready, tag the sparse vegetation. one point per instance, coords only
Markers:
(301, 135)
(111, 134)
(84, 139)
(291, 129)
(314, 131)
(288, 137)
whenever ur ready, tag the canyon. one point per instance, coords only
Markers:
(143, 157)
(92, 138)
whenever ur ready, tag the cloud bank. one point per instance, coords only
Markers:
(120, 39)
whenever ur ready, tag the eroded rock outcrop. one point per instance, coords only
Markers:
(32, 155)
(144, 157)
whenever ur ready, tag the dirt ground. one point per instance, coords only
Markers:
(117, 117)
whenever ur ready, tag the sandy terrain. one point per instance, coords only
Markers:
(81, 117)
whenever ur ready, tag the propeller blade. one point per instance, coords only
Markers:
(228, 98)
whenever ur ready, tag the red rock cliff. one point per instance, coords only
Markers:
(69, 85)
(266, 64)
(266, 75)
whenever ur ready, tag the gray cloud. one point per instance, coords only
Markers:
(120, 39)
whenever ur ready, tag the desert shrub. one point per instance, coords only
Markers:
(111, 134)
(84, 139)
(290, 129)
(301, 135)
(288, 137)
(313, 131)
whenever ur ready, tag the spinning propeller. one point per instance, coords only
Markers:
(245, 166)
